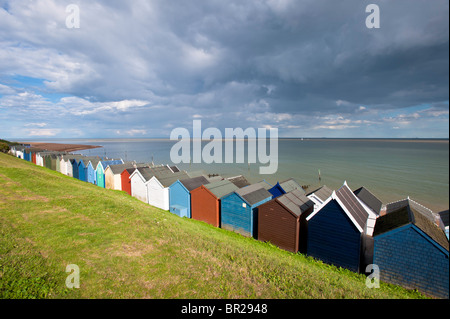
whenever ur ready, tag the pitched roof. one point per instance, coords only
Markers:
(174, 168)
(119, 168)
(106, 163)
(253, 194)
(161, 170)
(168, 179)
(290, 184)
(265, 184)
(354, 207)
(195, 182)
(240, 181)
(221, 188)
(369, 199)
(146, 172)
(94, 161)
(403, 213)
(296, 202)
(322, 193)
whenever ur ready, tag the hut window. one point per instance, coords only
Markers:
(244, 205)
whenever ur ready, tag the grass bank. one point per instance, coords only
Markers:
(127, 249)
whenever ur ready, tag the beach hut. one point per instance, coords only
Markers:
(82, 168)
(158, 188)
(113, 175)
(20, 150)
(411, 250)
(100, 170)
(27, 154)
(284, 187)
(205, 201)
(138, 183)
(239, 209)
(282, 220)
(125, 179)
(91, 174)
(335, 230)
(67, 167)
(180, 195)
(75, 165)
(319, 196)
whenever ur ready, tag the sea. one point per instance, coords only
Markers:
(392, 169)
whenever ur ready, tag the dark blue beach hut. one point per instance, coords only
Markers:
(281, 188)
(75, 162)
(411, 250)
(335, 230)
(82, 169)
(239, 209)
(180, 195)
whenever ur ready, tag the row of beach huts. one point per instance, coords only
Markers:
(350, 229)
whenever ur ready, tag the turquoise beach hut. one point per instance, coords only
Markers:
(100, 170)
(180, 195)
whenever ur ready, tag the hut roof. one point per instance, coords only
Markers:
(290, 184)
(405, 212)
(369, 199)
(221, 188)
(322, 193)
(353, 206)
(119, 168)
(174, 168)
(296, 202)
(195, 182)
(106, 163)
(240, 181)
(265, 184)
(168, 179)
(253, 194)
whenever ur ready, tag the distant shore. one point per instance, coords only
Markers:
(58, 147)
(374, 139)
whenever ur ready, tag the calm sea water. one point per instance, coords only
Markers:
(391, 169)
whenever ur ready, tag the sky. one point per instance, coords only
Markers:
(137, 69)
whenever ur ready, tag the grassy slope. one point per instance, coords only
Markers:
(127, 249)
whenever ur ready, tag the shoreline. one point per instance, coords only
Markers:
(59, 147)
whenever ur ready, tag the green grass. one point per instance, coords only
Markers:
(127, 249)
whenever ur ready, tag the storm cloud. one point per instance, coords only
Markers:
(140, 68)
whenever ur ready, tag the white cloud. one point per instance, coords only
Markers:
(42, 132)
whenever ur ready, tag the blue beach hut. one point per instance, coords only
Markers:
(82, 166)
(180, 195)
(90, 171)
(281, 188)
(411, 250)
(239, 209)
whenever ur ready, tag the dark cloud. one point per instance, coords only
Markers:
(296, 65)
